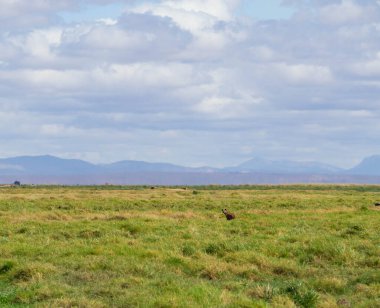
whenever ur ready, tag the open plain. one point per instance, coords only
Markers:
(108, 246)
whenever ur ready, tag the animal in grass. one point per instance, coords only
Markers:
(228, 215)
(376, 204)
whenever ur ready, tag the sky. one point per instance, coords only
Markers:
(191, 82)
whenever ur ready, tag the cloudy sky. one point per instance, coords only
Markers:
(192, 82)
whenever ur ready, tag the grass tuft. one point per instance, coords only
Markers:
(188, 250)
(6, 267)
(301, 295)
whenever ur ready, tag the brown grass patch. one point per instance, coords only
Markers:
(56, 216)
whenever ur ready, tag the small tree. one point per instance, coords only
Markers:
(16, 183)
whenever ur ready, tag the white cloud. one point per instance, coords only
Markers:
(302, 74)
(200, 18)
(345, 12)
(262, 53)
(58, 130)
(193, 15)
(147, 75)
(40, 43)
(221, 106)
(45, 80)
(107, 21)
(369, 68)
(136, 77)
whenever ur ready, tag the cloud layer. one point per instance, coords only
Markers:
(191, 82)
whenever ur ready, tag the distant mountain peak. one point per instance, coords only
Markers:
(368, 166)
(259, 164)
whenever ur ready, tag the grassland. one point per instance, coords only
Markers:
(290, 246)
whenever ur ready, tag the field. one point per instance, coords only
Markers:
(290, 246)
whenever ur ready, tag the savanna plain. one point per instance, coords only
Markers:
(119, 246)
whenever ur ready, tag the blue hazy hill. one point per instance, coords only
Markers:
(50, 169)
(284, 166)
(368, 166)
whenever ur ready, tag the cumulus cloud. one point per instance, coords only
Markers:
(184, 81)
(344, 12)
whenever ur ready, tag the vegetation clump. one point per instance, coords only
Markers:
(6, 267)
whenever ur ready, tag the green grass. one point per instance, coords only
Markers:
(116, 246)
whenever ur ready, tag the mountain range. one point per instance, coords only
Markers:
(48, 169)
